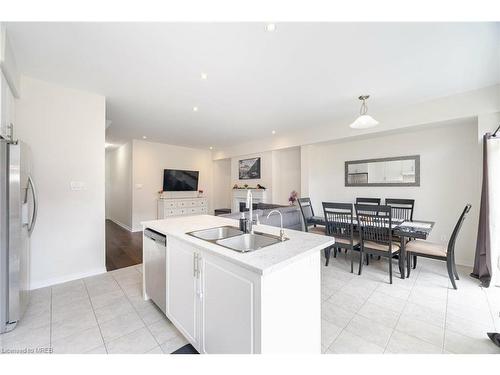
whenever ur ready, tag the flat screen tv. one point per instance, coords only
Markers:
(178, 180)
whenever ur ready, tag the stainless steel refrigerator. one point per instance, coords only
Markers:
(18, 210)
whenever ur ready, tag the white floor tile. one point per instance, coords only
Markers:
(78, 343)
(335, 314)
(120, 326)
(99, 350)
(428, 332)
(61, 312)
(424, 314)
(379, 314)
(329, 332)
(163, 330)
(29, 338)
(150, 314)
(387, 301)
(369, 330)
(402, 343)
(173, 344)
(346, 301)
(460, 344)
(120, 306)
(72, 325)
(105, 299)
(136, 342)
(348, 343)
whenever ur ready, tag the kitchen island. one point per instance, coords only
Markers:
(225, 301)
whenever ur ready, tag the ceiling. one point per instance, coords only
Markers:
(300, 75)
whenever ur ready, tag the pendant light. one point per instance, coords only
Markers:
(364, 121)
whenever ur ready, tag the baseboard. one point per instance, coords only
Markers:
(66, 278)
(124, 226)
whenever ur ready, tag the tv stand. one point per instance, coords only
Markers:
(169, 207)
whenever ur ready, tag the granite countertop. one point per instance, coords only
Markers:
(262, 261)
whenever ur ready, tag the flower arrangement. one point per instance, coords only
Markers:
(293, 197)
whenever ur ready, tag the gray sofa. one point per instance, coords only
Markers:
(292, 218)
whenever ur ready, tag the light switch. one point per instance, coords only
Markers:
(78, 185)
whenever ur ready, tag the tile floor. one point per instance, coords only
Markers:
(360, 314)
(422, 314)
(100, 314)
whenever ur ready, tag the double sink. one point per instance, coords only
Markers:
(234, 239)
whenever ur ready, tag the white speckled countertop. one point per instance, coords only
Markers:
(262, 261)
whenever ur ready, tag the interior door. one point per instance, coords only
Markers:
(182, 288)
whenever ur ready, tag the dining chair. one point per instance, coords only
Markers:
(308, 216)
(375, 228)
(402, 210)
(444, 252)
(375, 201)
(339, 224)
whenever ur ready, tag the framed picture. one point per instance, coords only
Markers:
(249, 169)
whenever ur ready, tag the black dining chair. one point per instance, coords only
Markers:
(402, 210)
(308, 216)
(375, 228)
(375, 201)
(339, 224)
(444, 252)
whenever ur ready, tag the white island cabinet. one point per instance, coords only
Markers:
(223, 301)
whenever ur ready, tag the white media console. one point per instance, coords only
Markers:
(168, 207)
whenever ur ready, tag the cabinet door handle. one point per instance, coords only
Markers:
(194, 264)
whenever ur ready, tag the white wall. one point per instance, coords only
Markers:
(119, 185)
(266, 170)
(222, 183)
(149, 159)
(65, 130)
(286, 174)
(464, 105)
(450, 158)
(280, 173)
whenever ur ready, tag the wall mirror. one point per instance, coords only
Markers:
(395, 171)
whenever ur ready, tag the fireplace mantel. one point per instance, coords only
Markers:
(240, 195)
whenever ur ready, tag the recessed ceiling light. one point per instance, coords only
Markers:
(211, 148)
(273, 132)
(195, 109)
(203, 76)
(144, 137)
(270, 27)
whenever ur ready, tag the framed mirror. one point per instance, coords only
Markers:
(395, 171)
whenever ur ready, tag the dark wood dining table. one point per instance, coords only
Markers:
(404, 232)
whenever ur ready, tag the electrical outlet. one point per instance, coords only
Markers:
(77, 185)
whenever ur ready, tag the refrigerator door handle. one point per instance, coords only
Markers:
(31, 226)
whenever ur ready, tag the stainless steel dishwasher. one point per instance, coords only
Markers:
(155, 267)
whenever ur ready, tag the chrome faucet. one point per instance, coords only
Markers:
(249, 206)
(282, 232)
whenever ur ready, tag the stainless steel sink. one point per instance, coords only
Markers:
(218, 233)
(248, 242)
(234, 239)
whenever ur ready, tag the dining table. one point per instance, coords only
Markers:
(404, 229)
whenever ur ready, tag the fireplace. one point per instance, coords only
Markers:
(240, 198)
(243, 206)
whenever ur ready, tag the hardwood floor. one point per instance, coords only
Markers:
(123, 248)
